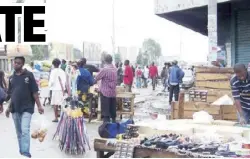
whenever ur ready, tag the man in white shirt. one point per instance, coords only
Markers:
(57, 83)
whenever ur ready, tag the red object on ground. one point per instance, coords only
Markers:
(153, 115)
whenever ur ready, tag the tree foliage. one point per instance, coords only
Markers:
(38, 52)
(152, 49)
(142, 58)
(139, 58)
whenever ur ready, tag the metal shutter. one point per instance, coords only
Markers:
(242, 54)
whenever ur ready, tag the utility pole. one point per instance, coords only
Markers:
(212, 30)
(181, 43)
(113, 28)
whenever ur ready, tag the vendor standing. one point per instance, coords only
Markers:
(108, 77)
(240, 85)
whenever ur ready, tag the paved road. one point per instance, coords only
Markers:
(48, 148)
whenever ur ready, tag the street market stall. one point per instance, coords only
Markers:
(71, 130)
(125, 103)
(180, 138)
(211, 94)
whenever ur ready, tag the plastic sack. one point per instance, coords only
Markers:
(202, 117)
(41, 128)
(225, 100)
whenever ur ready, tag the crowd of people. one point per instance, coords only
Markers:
(75, 79)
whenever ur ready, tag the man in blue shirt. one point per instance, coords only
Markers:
(175, 78)
(240, 85)
(84, 79)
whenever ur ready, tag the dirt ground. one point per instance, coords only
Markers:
(147, 102)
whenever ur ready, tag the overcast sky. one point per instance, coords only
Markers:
(75, 21)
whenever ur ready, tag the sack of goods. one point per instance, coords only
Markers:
(18, 50)
(46, 66)
(45, 75)
(44, 83)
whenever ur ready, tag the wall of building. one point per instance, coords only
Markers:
(227, 28)
(166, 6)
(92, 51)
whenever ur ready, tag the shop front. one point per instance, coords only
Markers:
(232, 19)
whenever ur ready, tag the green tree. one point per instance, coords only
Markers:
(139, 58)
(152, 48)
(38, 52)
(145, 59)
(117, 57)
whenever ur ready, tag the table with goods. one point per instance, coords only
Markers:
(178, 138)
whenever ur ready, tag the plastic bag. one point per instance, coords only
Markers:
(224, 100)
(41, 129)
(202, 117)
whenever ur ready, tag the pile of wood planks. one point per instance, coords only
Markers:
(213, 78)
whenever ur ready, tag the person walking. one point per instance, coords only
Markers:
(153, 73)
(138, 76)
(108, 77)
(175, 78)
(128, 77)
(57, 83)
(145, 77)
(23, 92)
(3, 86)
(165, 75)
(119, 74)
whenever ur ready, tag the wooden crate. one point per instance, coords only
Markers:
(222, 85)
(202, 69)
(212, 94)
(213, 76)
(185, 110)
(191, 107)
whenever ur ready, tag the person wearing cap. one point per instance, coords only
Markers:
(175, 78)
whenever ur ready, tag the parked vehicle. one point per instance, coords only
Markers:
(188, 80)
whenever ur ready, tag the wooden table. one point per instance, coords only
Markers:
(101, 148)
(121, 95)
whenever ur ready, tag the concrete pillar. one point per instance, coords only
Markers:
(212, 30)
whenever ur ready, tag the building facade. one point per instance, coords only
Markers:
(233, 23)
(61, 51)
(92, 51)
